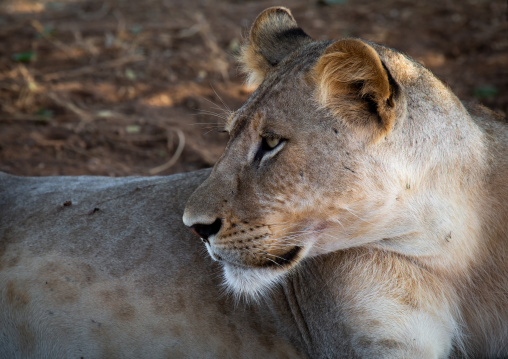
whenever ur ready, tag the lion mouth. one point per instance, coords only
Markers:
(262, 259)
(284, 259)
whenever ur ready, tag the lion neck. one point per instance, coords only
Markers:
(422, 192)
(441, 157)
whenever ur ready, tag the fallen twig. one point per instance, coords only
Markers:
(67, 50)
(85, 116)
(174, 158)
(93, 68)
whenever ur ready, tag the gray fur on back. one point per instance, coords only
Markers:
(99, 267)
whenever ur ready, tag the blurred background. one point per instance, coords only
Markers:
(124, 87)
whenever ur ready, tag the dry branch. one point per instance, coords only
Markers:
(93, 68)
(174, 158)
(83, 115)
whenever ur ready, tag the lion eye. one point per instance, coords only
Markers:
(272, 142)
(269, 146)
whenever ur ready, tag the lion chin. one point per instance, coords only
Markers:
(251, 283)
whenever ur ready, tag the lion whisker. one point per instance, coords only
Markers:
(225, 109)
(220, 98)
(211, 113)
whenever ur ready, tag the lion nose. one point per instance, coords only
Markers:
(207, 230)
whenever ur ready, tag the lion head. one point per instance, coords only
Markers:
(326, 154)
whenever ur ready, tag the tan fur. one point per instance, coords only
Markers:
(262, 50)
(359, 237)
(349, 63)
(383, 177)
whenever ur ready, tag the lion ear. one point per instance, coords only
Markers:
(356, 86)
(273, 36)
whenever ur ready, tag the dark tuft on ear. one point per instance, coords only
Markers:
(355, 85)
(274, 35)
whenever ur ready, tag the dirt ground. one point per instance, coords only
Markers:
(124, 87)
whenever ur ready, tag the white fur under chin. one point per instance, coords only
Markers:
(251, 283)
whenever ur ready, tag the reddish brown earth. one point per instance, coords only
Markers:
(120, 87)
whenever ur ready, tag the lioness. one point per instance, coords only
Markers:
(357, 200)
(353, 150)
